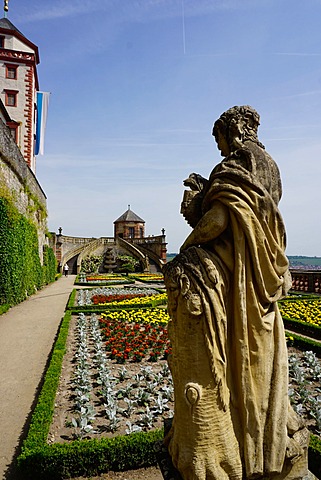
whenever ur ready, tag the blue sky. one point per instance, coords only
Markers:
(136, 86)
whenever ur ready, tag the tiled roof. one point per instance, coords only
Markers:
(129, 216)
(6, 24)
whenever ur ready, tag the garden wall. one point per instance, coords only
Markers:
(19, 185)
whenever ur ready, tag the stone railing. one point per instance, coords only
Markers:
(308, 281)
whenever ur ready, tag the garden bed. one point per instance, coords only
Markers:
(148, 277)
(103, 393)
(88, 443)
(102, 280)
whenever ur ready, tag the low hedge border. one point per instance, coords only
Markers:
(113, 308)
(4, 308)
(303, 343)
(91, 457)
(294, 296)
(148, 281)
(314, 456)
(104, 284)
(41, 461)
(302, 327)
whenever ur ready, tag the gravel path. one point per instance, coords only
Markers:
(27, 334)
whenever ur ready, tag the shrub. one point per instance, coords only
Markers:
(20, 268)
(49, 267)
(21, 273)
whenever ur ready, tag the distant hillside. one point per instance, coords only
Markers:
(306, 263)
(296, 261)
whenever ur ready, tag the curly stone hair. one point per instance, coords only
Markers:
(238, 124)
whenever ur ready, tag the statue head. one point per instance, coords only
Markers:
(234, 127)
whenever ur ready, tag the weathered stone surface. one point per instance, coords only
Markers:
(232, 417)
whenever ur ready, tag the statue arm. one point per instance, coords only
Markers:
(210, 226)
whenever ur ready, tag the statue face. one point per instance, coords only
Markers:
(222, 143)
(173, 292)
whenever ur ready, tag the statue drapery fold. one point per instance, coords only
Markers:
(229, 362)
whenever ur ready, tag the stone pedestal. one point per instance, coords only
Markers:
(168, 470)
(165, 464)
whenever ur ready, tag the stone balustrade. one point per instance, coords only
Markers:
(308, 281)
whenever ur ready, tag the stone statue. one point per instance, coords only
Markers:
(232, 417)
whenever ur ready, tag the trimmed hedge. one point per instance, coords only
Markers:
(39, 460)
(314, 456)
(304, 343)
(302, 327)
(90, 457)
(21, 273)
(20, 269)
(49, 267)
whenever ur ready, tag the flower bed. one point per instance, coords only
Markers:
(39, 460)
(109, 279)
(302, 316)
(94, 296)
(97, 396)
(148, 277)
(126, 339)
(158, 299)
(308, 311)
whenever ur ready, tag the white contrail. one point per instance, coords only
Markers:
(183, 22)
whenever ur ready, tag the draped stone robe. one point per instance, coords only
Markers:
(229, 360)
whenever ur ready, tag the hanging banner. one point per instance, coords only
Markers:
(42, 112)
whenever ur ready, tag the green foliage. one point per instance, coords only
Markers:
(127, 264)
(21, 273)
(90, 457)
(91, 263)
(302, 327)
(303, 343)
(20, 268)
(4, 308)
(315, 456)
(297, 261)
(49, 267)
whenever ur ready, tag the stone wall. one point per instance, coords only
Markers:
(18, 182)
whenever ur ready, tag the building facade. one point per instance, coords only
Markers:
(19, 58)
(129, 226)
(129, 239)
